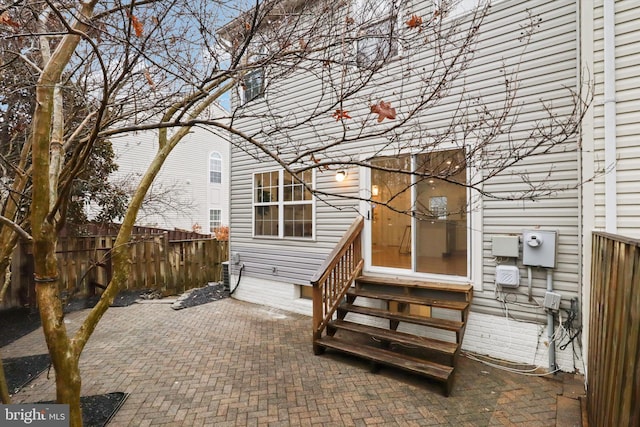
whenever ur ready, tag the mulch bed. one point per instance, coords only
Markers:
(17, 322)
(99, 409)
(20, 371)
(199, 296)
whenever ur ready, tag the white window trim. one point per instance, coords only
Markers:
(211, 170)
(255, 52)
(211, 210)
(474, 236)
(243, 91)
(281, 204)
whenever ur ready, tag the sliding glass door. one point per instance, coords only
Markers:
(420, 224)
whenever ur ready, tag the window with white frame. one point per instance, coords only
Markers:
(252, 85)
(283, 205)
(215, 219)
(215, 168)
(377, 37)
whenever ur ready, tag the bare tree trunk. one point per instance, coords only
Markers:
(45, 263)
(64, 356)
(6, 282)
(4, 388)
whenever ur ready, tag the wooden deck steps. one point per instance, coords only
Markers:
(394, 337)
(433, 316)
(428, 369)
(433, 322)
(452, 288)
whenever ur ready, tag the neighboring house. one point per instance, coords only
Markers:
(277, 254)
(191, 191)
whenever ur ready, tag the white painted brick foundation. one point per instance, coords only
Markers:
(284, 296)
(514, 341)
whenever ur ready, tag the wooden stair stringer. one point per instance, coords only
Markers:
(426, 356)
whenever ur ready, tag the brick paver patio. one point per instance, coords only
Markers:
(230, 363)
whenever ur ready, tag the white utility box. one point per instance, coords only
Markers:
(552, 300)
(505, 246)
(507, 276)
(539, 248)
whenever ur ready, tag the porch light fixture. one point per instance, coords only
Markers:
(375, 190)
(341, 175)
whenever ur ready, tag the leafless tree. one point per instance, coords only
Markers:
(128, 67)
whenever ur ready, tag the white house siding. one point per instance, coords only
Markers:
(547, 67)
(627, 75)
(186, 172)
(626, 212)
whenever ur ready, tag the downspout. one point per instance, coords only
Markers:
(587, 173)
(581, 189)
(610, 155)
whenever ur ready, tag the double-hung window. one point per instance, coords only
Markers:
(283, 205)
(377, 37)
(215, 168)
(253, 82)
(252, 85)
(215, 219)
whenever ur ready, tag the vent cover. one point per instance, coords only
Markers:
(507, 276)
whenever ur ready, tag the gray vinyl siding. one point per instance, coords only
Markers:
(627, 58)
(545, 68)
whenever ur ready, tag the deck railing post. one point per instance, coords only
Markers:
(317, 315)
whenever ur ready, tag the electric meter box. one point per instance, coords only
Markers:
(539, 248)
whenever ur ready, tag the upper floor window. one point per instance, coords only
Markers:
(282, 204)
(215, 168)
(252, 85)
(377, 38)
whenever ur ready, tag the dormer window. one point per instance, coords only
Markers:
(377, 37)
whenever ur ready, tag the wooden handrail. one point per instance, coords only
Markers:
(334, 277)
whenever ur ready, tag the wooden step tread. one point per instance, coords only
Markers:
(412, 364)
(410, 299)
(411, 283)
(448, 348)
(434, 322)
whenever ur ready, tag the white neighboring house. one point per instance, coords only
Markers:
(191, 191)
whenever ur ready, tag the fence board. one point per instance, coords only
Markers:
(614, 343)
(157, 263)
